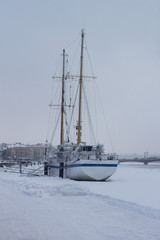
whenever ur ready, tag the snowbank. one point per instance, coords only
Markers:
(46, 208)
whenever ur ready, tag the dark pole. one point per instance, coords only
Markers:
(46, 168)
(45, 163)
(62, 112)
(20, 167)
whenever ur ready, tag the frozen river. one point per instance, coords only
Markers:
(44, 208)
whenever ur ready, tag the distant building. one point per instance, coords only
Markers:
(20, 151)
(39, 151)
(1, 152)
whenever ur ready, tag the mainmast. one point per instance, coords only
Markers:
(62, 113)
(80, 89)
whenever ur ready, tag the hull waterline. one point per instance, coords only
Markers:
(87, 170)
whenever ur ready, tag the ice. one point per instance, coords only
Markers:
(47, 208)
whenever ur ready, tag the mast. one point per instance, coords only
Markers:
(62, 102)
(80, 89)
(62, 113)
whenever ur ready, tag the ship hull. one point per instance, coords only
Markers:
(92, 170)
(87, 170)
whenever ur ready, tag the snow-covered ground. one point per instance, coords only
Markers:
(46, 208)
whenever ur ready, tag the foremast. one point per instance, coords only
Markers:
(80, 90)
(62, 101)
(62, 114)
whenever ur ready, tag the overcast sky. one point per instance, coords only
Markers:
(123, 37)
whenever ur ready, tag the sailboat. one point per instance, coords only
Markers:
(79, 161)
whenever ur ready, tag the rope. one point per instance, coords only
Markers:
(95, 106)
(89, 58)
(90, 126)
(55, 129)
(74, 56)
(105, 120)
(73, 109)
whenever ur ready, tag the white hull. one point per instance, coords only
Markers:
(87, 170)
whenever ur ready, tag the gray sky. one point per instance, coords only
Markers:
(123, 38)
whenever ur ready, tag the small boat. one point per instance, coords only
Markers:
(79, 161)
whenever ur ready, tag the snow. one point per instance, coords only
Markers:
(136, 183)
(44, 208)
